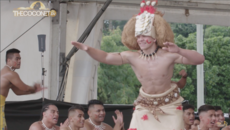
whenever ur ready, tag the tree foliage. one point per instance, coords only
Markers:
(183, 29)
(116, 84)
(119, 85)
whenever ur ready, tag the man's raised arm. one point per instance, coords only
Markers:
(101, 56)
(187, 56)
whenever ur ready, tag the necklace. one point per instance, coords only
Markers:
(70, 127)
(46, 128)
(148, 56)
(198, 127)
(10, 67)
(100, 127)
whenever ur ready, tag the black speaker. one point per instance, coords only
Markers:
(42, 42)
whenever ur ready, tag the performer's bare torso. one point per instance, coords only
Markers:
(38, 126)
(154, 74)
(89, 126)
(5, 83)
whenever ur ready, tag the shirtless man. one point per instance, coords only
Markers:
(96, 114)
(48, 120)
(11, 80)
(207, 117)
(154, 75)
(188, 116)
(159, 103)
(75, 117)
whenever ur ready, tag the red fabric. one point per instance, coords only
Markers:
(145, 117)
(132, 129)
(179, 108)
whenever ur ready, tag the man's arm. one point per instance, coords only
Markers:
(17, 82)
(17, 91)
(103, 57)
(185, 56)
(190, 57)
(183, 79)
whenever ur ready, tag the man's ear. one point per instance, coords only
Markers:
(201, 117)
(8, 60)
(43, 114)
(70, 119)
(89, 112)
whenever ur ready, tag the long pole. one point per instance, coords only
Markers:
(43, 74)
(87, 31)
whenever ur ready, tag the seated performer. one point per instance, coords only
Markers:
(207, 117)
(188, 116)
(75, 117)
(48, 120)
(97, 114)
(11, 80)
(159, 103)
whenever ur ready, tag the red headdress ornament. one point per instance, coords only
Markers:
(148, 6)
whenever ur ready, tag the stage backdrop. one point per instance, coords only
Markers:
(21, 114)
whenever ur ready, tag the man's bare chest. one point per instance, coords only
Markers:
(153, 67)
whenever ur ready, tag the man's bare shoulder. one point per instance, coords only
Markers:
(164, 52)
(87, 126)
(57, 127)
(8, 73)
(195, 128)
(167, 54)
(130, 53)
(86, 122)
(107, 126)
(36, 126)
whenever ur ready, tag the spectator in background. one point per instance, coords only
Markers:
(196, 123)
(188, 116)
(207, 117)
(220, 120)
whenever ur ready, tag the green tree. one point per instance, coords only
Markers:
(114, 25)
(216, 67)
(116, 84)
(183, 29)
